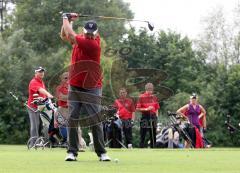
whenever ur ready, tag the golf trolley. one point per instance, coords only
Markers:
(51, 136)
(169, 136)
(231, 128)
(113, 132)
(179, 123)
(48, 112)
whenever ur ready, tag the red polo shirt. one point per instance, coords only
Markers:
(125, 108)
(62, 89)
(85, 70)
(145, 100)
(34, 85)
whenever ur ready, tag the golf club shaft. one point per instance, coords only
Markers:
(24, 103)
(150, 25)
(111, 17)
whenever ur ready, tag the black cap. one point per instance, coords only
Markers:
(90, 27)
(39, 69)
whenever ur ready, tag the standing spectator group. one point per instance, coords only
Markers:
(148, 105)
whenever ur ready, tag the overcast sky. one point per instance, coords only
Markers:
(183, 16)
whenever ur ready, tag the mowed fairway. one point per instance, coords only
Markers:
(17, 159)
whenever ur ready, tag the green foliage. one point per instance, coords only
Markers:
(218, 96)
(188, 72)
(14, 54)
(32, 39)
(168, 52)
(41, 20)
(106, 64)
(18, 61)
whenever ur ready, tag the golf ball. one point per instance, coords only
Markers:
(116, 160)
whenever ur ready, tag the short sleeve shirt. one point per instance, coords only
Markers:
(85, 70)
(145, 100)
(33, 88)
(62, 89)
(125, 108)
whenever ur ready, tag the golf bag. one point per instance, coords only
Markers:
(168, 137)
(178, 129)
(51, 136)
(231, 128)
(113, 131)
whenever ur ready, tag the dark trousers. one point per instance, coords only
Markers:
(127, 131)
(80, 107)
(148, 123)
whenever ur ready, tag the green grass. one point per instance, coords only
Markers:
(17, 159)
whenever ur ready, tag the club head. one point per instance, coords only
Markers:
(150, 26)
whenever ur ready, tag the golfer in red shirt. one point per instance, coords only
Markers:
(148, 105)
(126, 111)
(85, 84)
(36, 87)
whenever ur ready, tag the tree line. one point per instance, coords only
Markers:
(208, 65)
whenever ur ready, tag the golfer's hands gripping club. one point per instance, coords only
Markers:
(70, 16)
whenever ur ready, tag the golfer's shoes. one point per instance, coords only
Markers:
(70, 157)
(104, 157)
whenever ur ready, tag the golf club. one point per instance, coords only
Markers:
(150, 25)
(24, 103)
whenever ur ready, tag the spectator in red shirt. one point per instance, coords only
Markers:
(36, 87)
(126, 111)
(148, 105)
(62, 91)
(62, 95)
(85, 84)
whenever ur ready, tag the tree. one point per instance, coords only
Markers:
(18, 61)
(218, 47)
(167, 51)
(236, 40)
(33, 40)
(41, 20)
(219, 40)
(15, 53)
